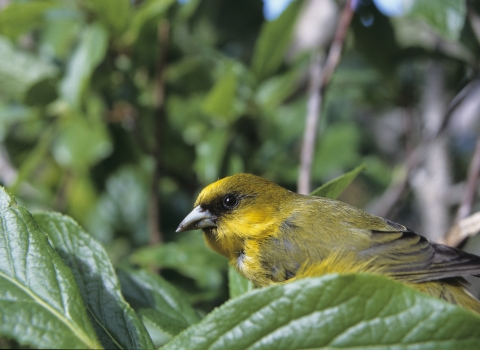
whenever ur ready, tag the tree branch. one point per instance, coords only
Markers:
(472, 184)
(384, 204)
(320, 78)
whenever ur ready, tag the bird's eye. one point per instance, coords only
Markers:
(230, 201)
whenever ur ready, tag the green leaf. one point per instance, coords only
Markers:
(115, 322)
(19, 70)
(271, 93)
(189, 256)
(210, 153)
(273, 42)
(87, 56)
(34, 158)
(19, 17)
(60, 34)
(237, 284)
(81, 143)
(114, 14)
(354, 311)
(148, 11)
(120, 210)
(40, 302)
(327, 159)
(333, 188)
(158, 301)
(447, 17)
(220, 100)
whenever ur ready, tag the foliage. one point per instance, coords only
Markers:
(314, 313)
(116, 113)
(71, 294)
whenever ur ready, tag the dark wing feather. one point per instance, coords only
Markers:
(410, 257)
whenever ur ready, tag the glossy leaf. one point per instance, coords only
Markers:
(89, 53)
(333, 188)
(157, 300)
(40, 302)
(357, 311)
(237, 284)
(115, 322)
(273, 42)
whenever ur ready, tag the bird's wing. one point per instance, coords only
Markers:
(410, 257)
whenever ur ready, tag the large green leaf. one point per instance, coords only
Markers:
(115, 322)
(333, 188)
(157, 300)
(40, 302)
(89, 53)
(273, 42)
(354, 311)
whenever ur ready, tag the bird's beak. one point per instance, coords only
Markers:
(197, 219)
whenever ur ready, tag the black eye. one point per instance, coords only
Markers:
(230, 201)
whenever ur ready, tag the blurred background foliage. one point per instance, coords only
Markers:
(117, 112)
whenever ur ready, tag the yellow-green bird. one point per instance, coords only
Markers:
(272, 235)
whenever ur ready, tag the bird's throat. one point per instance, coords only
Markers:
(228, 247)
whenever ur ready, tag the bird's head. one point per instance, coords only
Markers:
(237, 208)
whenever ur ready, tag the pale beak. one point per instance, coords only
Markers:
(197, 219)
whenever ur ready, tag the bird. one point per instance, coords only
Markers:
(271, 235)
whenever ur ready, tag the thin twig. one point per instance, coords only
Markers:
(462, 229)
(313, 110)
(466, 225)
(385, 203)
(320, 78)
(333, 57)
(159, 116)
(472, 183)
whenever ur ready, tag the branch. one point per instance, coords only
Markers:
(385, 203)
(466, 225)
(309, 136)
(472, 183)
(318, 85)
